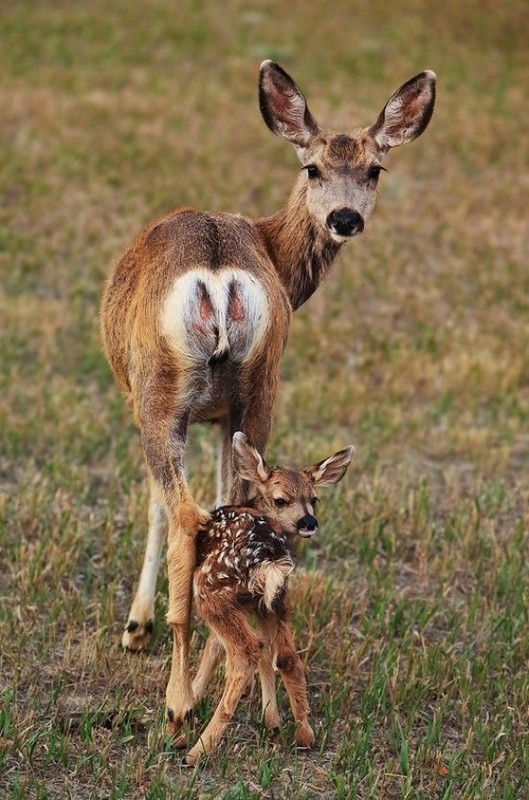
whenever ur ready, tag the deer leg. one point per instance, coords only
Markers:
(224, 465)
(291, 669)
(212, 655)
(267, 677)
(140, 621)
(243, 650)
(164, 450)
(181, 558)
(256, 423)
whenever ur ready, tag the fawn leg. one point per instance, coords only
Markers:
(139, 626)
(212, 655)
(267, 677)
(291, 669)
(243, 650)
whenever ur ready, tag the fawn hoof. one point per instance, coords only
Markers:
(304, 737)
(136, 636)
(176, 726)
(192, 757)
(197, 752)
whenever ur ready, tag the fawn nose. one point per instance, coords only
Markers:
(345, 222)
(307, 525)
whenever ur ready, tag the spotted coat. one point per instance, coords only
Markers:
(230, 551)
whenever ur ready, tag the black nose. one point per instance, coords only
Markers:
(307, 524)
(345, 222)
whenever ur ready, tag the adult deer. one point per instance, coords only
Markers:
(195, 316)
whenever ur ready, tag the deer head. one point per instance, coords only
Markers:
(287, 495)
(341, 170)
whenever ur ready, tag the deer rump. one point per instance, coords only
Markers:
(242, 560)
(210, 317)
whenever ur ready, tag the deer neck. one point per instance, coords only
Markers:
(301, 250)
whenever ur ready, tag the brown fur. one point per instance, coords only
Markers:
(243, 565)
(195, 316)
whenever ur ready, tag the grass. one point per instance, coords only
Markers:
(412, 607)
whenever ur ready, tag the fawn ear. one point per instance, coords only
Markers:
(248, 462)
(284, 107)
(407, 112)
(332, 470)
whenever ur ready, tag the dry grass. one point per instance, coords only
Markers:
(412, 609)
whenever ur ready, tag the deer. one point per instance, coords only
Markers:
(195, 316)
(244, 559)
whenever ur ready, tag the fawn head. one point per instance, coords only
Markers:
(342, 169)
(287, 495)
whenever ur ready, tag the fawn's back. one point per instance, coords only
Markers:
(243, 561)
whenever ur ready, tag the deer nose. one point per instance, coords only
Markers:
(345, 222)
(307, 525)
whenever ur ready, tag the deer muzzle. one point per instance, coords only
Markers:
(307, 526)
(345, 222)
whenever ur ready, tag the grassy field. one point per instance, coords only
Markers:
(412, 607)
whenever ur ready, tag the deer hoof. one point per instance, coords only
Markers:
(198, 751)
(304, 736)
(192, 757)
(136, 637)
(175, 727)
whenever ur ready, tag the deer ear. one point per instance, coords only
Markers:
(248, 462)
(407, 112)
(284, 107)
(332, 470)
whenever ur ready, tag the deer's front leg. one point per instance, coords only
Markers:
(224, 465)
(255, 423)
(212, 655)
(267, 676)
(139, 627)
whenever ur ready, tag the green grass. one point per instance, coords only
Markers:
(412, 606)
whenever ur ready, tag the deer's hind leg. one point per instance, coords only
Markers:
(290, 667)
(243, 649)
(163, 434)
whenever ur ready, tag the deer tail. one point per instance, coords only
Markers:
(269, 578)
(212, 316)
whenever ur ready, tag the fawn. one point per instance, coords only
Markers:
(196, 313)
(243, 563)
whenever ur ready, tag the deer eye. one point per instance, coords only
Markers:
(374, 172)
(312, 171)
(280, 502)
(314, 501)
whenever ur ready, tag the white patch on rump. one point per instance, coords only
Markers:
(208, 315)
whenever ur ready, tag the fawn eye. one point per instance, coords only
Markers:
(314, 501)
(280, 502)
(312, 171)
